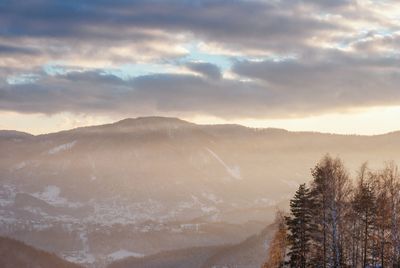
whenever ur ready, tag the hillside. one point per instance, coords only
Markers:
(247, 254)
(17, 254)
(154, 184)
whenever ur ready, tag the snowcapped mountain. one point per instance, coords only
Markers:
(140, 186)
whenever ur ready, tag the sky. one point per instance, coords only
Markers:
(311, 65)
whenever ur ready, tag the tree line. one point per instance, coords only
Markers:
(336, 221)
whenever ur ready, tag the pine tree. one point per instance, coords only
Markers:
(300, 228)
(334, 224)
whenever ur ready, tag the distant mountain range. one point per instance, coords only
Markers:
(137, 187)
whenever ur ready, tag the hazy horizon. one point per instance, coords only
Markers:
(206, 121)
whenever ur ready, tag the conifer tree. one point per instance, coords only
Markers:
(335, 224)
(300, 228)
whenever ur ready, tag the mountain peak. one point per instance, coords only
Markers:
(151, 120)
(9, 134)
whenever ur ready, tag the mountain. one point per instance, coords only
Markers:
(189, 257)
(15, 135)
(250, 253)
(17, 254)
(147, 185)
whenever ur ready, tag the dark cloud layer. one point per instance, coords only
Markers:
(244, 24)
(210, 70)
(285, 89)
(6, 49)
(291, 57)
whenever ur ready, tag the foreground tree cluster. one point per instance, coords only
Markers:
(336, 221)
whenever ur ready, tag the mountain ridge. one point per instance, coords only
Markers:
(153, 184)
(164, 119)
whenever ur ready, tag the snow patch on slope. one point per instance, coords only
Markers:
(291, 183)
(233, 171)
(83, 256)
(122, 253)
(20, 165)
(51, 195)
(212, 197)
(80, 258)
(62, 147)
(265, 201)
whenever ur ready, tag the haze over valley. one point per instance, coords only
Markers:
(199, 133)
(141, 186)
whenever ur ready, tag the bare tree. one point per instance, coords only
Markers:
(365, 212)
(331, 190)
(277, 249)
(342, 225)
(390, 177)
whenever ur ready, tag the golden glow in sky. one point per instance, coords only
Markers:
(372, 121)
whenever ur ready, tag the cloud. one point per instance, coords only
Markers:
(135, 30)
(277, 90)
(10, 49)
(210, 70)
(334, 82)
(115, 32)
(291, 57)
(91, 92)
